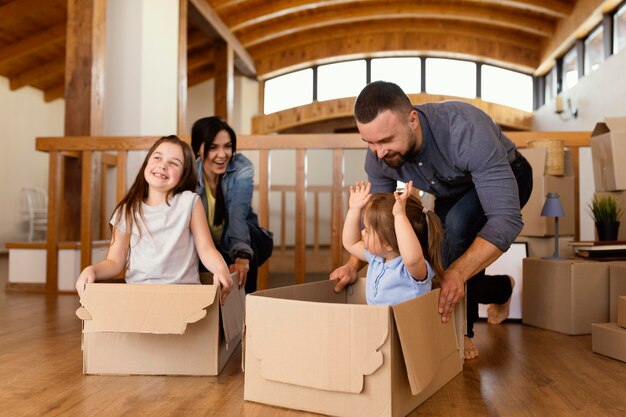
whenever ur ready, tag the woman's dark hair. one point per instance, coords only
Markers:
(204, 132)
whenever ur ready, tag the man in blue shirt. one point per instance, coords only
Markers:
(456, 152)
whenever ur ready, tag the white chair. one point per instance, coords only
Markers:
(36, 208)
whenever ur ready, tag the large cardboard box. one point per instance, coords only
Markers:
(621, 311)
(617, 288)
(609, 339)
(565, 295)
(154, 329)
(608, 154)
(534, 223)
(310, 349)
(620, 196)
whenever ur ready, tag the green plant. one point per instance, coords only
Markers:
(605, 209)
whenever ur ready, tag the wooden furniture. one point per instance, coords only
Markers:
(117, 149)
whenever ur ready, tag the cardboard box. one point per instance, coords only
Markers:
(534, 223)
(609, 339)
(617, 288)
(154, 329)
(620, 196)
(621, 311)
(565, 295)
(608, 154)
(310, 349)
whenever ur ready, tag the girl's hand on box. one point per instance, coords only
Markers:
(88, 276)
(226, 283)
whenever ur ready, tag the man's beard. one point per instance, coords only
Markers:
(398, 159)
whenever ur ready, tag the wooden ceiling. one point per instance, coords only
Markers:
(281, 35)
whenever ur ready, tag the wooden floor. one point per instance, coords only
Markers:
(522, 371)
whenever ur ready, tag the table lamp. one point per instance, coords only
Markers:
(553, 208)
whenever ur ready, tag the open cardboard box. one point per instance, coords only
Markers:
(153, 329)
(311, 349)
(608, 154)
(534, 223)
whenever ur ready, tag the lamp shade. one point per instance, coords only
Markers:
(552, 207)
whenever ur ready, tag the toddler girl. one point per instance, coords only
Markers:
(401, 242)
(159, 227)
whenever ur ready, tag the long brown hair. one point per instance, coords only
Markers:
(426, 225)
(130, 206)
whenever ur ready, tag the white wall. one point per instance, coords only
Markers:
(596, 96)
(23, 116)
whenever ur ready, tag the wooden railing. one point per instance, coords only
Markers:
(118, 147)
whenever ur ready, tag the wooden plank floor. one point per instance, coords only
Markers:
(522, 371)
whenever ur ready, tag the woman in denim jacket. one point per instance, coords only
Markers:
(225, 185)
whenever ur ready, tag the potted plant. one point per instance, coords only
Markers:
(605, 212)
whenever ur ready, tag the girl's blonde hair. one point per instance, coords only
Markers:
(425, 224)
(130, 206)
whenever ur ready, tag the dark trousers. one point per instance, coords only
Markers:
(462, 220)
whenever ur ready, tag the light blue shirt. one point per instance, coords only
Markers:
(389, 283)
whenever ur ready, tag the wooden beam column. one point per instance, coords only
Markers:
(182, 67)
(84, 87)
(224, 80)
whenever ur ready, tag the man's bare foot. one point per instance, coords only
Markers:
(471, 351)
(497, 313)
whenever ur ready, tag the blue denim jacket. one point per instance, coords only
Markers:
(237, 186)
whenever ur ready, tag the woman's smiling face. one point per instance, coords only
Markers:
(220, 153)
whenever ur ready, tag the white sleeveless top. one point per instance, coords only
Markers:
(165, 253)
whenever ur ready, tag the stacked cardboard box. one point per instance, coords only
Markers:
(534, 223)
(157, 329)
(608, 153)
(566, 296)
(609, 339)
(311, 349)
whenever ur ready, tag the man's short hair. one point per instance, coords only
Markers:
(378, 97)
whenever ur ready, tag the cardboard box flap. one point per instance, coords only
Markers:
(317, 345)
(417, 320)
(616, 124)
(153, 308)
(233, 310)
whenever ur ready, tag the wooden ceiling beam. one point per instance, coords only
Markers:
(418, 11)
(52, 93)
(33, 43)
(243, 60)
(263, 11)
(584, 17)
(201, 74)
(41, 72)
(17, 10)
(201, 58)
(463, 41)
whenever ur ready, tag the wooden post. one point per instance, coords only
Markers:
(264, 211)
(300, 217)
(182, 68)
(224, 80)
(84, 87)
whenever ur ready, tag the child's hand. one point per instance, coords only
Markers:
(86, 277)
(399, 208)
(359, 195)
(226, 283)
